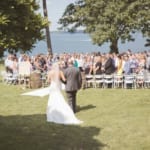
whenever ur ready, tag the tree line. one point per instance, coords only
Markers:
(21, 25)
(109, 20)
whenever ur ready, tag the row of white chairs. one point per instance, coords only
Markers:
(21, 79)
(118, 81)
(14, 78)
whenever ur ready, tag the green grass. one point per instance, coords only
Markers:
(114, 119)
(1, 65)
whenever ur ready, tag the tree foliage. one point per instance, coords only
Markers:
(108, 20)
(20, 25)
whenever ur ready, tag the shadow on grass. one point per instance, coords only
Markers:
(79, 108)
(32, 132)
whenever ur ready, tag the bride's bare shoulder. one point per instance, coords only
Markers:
(53, 73)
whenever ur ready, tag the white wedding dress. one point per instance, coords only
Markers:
(58, 110)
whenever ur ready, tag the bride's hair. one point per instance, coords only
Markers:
(55, 66)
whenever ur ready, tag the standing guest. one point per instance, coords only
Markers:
(25, 67)
(133, 63)
(38, 64)
(21, 57)
(98, 65)
(49, 62)
(126, 66)
(119, 65)
(80, 62)
(103, 61)
(109, 64)
(9, 64)
(43, 63)
(15, 65)
(73, 83)
(75, 60)
(148, 62)
(93, 62)
(87, 64)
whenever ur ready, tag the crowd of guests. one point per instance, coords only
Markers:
(89, 63)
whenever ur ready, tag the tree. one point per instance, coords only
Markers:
(48, 38)
(21, 26)
(147, 43)
(108, 20)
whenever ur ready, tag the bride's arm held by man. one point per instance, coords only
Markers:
(62, 77)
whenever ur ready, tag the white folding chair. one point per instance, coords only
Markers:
(147, 81)
(108, 81)
(8, 78)
(90, 80)
(118, 81)
(99, 80)
(139, 81)
(129, 81)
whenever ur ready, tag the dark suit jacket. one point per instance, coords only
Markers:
(109, 66)
(73, 78)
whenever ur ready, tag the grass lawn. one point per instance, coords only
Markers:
(114, 119)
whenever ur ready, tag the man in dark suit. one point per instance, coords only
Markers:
(109, 65)
(73, 83)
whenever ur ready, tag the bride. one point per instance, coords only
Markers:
(58, 111)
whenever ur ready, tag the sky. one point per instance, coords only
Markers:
(55, 10)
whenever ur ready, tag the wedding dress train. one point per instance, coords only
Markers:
(38, 92)
(58, 110)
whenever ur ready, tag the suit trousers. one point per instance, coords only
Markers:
(71, 96)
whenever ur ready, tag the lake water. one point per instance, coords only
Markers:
(81, 42)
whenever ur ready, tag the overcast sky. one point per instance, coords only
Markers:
(55, 10)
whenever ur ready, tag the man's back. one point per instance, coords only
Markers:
(73, 78)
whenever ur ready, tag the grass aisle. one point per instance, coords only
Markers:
(114, 119)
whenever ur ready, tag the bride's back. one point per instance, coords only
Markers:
(54, 75)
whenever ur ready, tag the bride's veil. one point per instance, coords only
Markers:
(45, 91)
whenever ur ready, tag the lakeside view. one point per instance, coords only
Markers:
(81, 42)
